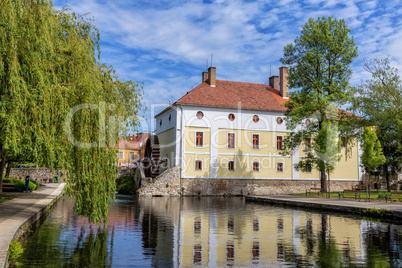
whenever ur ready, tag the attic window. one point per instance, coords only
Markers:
(200, 114)
(160, 122)
(170, 117)
(279, 120)
(231, 117)
(256, 118)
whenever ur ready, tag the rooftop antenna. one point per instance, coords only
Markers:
(212, 55)
(270, 71)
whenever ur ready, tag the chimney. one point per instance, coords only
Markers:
(212, 76)
(283, 76)
(274, 82)
(204, 76)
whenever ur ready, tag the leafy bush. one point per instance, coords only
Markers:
(126, 185)
(381, 195)
(20, 184)
(15, 250)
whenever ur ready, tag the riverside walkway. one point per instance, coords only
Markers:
(22, 209)
(333, 204)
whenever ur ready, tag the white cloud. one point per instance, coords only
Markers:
(166, 44)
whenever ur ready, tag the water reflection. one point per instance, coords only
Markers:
(172, 232)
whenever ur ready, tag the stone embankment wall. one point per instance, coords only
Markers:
(380, 182)
(37, 173)
(254, 187)
(166, 184)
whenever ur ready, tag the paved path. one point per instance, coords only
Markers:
(342, 205)
(16, 212)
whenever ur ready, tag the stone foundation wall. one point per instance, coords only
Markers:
(37, 173)
(255, 187)
(166, 184)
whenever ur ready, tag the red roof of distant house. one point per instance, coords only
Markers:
(129, 145)
(231, 94)
(142, 137)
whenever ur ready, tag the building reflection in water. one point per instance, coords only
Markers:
(211, 232)
(230, 232)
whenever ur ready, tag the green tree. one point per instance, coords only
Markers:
(59, 106)
(327, 148)
(379, 102)
(372, 156)
(319, 62)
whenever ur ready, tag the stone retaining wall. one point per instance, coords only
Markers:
(255, 187)
(37, 173)
(166, 184)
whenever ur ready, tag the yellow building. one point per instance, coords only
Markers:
(129, 150)
(228, 135)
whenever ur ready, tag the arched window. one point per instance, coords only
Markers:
(279, 120)
(256, 118)
(231, 117)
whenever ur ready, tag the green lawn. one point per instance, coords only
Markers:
(373, 195)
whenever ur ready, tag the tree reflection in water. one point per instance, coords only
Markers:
(91, 250)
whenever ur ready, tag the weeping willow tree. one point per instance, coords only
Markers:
(59, 106)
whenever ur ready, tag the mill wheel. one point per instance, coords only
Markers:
(151, 159)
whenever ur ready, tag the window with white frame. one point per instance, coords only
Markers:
(231, 140)
(279, 143)
(256, 166)
(256, 141)
(199, 139)
(121, 155)
(131, 156)
(198, 165)
(279, 166)
(231, 165)
(307, 144)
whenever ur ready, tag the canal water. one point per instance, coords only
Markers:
(211, 232)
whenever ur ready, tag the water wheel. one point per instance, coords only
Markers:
(151, 160)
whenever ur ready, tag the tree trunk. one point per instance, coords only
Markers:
(329, 186)
(8, 170)
(323, 182)
(387, 179)
(2, 166)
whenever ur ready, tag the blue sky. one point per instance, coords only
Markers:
(166, 44)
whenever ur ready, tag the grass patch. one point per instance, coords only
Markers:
(373, 195)
(15, 252)
(376, 213)
(6, 197)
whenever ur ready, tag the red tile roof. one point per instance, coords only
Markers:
(129, 145)
(234, 94)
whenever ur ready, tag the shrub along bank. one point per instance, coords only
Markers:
(126, 185)
(20, 184)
